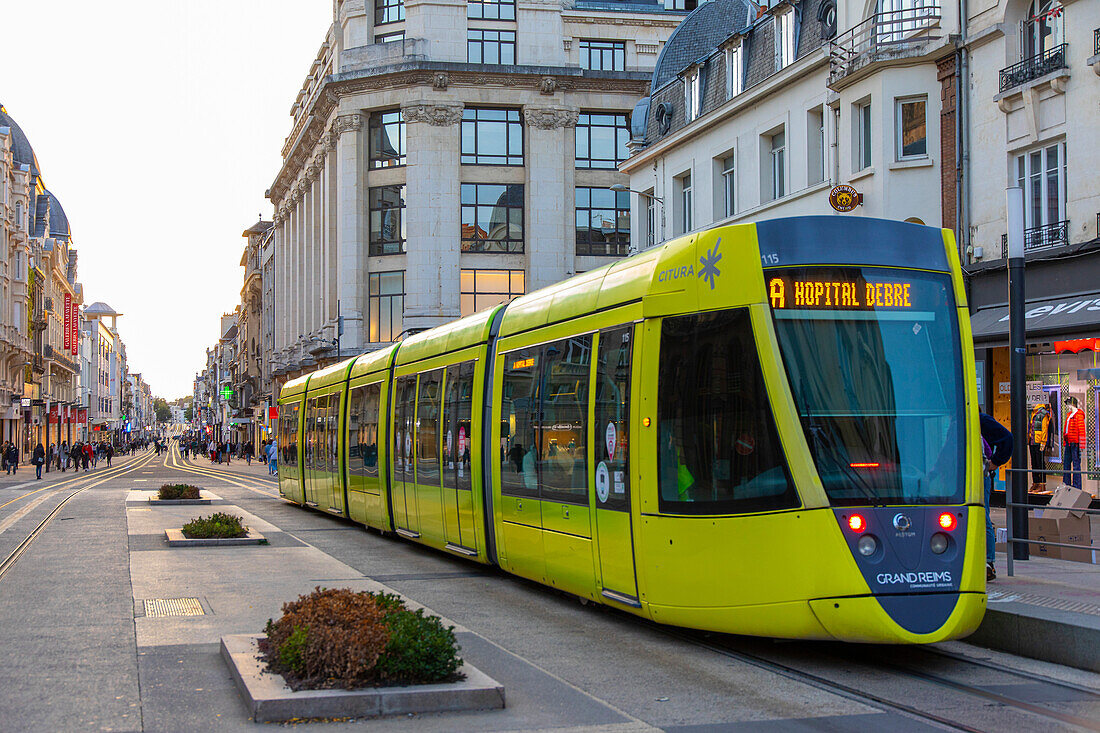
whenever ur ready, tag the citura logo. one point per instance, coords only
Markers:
(709, 269)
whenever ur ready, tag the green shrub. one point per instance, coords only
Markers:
(343, 638)
(178, 491)
(217, 525)
(421, 650)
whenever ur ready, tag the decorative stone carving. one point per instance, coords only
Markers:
(548, 85)
(312, 170)
(347, 123)
(549, 118)
(441, 81)
(437, 115)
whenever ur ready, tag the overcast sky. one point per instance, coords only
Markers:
(158, 126)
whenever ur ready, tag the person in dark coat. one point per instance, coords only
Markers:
(12, 456)
(996, 450)
(38, 458)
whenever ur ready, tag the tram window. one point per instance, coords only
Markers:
(362, 431)
(519, 420)
(611, 429)
(456, 425)
(405, 389)
(718, 450)
(427, 429)
(288, 424)
(562, 442)
(332, 432)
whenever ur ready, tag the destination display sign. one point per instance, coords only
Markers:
(835, 291)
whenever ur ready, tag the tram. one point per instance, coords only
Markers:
(760, 429)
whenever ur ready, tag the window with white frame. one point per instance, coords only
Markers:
(727, 171)
(1042, 175)
(815, 145)
(910, 119)
(686, 207)
(693, 95)
(650, 218)
(784, 38)
(735, 70)
(862, 136)
(778, 159)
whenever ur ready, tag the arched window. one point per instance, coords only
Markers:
(1042, 29)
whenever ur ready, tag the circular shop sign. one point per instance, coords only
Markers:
(844, 198)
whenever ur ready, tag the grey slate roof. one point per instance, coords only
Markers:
(22, 151)
(47, 207)
(697, 36)
(99, 308)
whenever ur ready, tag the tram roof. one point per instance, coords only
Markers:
(295, 386)
(460, 334)
(372, 361)
(330, 375)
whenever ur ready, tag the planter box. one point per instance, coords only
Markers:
(270, 700)
(176, 539)
(205, 498)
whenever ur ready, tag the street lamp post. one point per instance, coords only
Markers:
(651, 225)
(1017, 369)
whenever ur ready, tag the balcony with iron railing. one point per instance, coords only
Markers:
(885, 36)
(1033, 67)
(1045, 236)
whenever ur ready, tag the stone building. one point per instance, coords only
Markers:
(758, 112)
(39, 301)
(447, 156)
(252, 386)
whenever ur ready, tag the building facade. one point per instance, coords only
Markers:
(758, 112)
(448, 156)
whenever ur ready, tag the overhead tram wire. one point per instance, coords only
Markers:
(113, 473)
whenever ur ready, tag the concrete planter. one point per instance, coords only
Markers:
(177, 539)
(270, 700)
(179, 502)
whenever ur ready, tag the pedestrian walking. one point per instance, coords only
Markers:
(109, 453)
(86, 456)
(272, 459)
(12, 456)
(63, 456)
(38, 458)
(996, 450)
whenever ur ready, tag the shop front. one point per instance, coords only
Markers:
(1062, 318)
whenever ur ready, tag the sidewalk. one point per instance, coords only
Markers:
(1049, 609)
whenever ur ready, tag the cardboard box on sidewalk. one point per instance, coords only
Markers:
(1063, 521)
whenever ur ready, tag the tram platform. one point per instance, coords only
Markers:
(1049, 609)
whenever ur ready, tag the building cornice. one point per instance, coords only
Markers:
(320, 128)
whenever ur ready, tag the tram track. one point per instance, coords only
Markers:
(96, 479)
(873, 699)
(173, 454)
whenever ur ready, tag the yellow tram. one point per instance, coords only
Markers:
(759, 429)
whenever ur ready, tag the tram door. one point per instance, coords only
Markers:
(611, 437)
(458, 503)
(404, 485)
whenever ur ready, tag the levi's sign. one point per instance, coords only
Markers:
(1063, 307)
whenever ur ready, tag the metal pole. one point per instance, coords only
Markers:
(1017, 368)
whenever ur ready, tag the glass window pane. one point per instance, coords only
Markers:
(519, 421)
(718, 451)
(562, 457)
(492, 281)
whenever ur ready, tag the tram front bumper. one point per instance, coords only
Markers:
(863, 618)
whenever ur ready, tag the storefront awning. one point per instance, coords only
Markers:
(1063, 318)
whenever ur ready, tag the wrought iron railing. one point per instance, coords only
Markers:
(1096, 42)
(1041, 237)
(1034, 67)
(885, 32)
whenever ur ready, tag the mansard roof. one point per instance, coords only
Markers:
(697, 36)
(22, 152)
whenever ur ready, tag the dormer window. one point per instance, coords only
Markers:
(784, 38)
(693, 94)
(735, 69)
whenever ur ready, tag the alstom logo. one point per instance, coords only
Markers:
(943, 576)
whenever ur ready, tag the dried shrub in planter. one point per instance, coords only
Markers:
(178, 491)
(342, 638)
(330, 638)
(218, 525)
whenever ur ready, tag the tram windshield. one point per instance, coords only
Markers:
(874, 363)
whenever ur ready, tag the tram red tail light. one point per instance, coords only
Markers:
(857, 523)
(947, 521)
(863, 465)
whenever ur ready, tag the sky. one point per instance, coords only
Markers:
(158, 126)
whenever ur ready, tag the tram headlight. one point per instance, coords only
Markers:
(867, 545)
(938, 544)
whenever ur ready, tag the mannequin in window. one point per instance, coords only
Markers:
(1038, 432)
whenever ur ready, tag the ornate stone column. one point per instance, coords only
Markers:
(550, 154)
(348, 138)
(432, 197)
